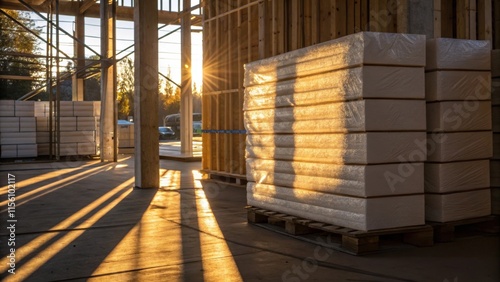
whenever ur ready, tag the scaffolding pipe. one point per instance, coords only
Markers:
(31, 31)
(57, 26)
(49, 79)
(58, 89)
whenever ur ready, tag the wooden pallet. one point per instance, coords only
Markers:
(445, 231)
(353, 241)
(226, 177)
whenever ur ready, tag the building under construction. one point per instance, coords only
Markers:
(331, 129)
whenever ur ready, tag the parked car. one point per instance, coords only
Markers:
(166, 133)
(174, 121)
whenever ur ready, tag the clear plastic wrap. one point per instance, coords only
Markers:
(86, 148)
(8, 151)
(9, 124)
(351, 180)
(42, 137)
(42, 109)
(355, 148)
(357, 213)
(454, 116)
(66, 123)
(457, 206)
(353, 116)
(459, 146)
(364, 48)
(341, 85)
(78, 137)
(457, 85)
(27, 124)
(7, 108)
(83, 108)
(457, 176)
(495, 173)
(458, 54)
(27, 151)
(24, 108)
(15, 138)
(495, 63)
(86, 123)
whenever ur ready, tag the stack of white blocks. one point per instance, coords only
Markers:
(495, 162)
(333, 129)
(126, 136)
(17, 129)
(459, 129)
(78, 126)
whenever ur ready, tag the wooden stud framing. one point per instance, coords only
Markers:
(437, 18)
(240, 31)
(447, 19)
(484, 19)
(472, 20)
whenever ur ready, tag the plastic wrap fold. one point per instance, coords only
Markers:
(364, 48)
(341, 85)
(454, 116)
(353, 116)
(459, 146)
(352, 148)
(457, 206)
(351, 180)
(458, 54)
(457, 85)
(357, 213)
(456, 176)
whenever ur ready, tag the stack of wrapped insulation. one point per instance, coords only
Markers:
(458, 89)
(337, 131)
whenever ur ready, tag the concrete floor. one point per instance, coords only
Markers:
(83, 221)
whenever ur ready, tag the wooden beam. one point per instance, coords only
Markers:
(85, 5)
(324, 21)
(263, 27)
(437, 18)
(462, 19)
(448, 27)
(72, 8)
(16, 77)
(472, 20)
(351, 17)
(484, 19)
(339, 10)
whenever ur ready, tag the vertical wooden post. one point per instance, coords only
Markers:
(484, 17)
(402, 16)
(147, 161)
(472, 20)
(186, 107)
(108, 135)
(437, 18)
(79, 49)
